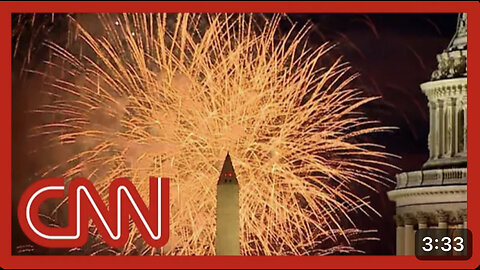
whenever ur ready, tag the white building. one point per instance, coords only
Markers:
(436, 195)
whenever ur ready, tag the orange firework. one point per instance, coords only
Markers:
(150, 97)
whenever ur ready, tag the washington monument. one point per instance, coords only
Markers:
(227, 241)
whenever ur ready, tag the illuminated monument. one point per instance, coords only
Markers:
(227, 240)
(436, 196)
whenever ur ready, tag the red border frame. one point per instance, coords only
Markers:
(9, 261)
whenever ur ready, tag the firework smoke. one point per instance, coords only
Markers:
(152, 97)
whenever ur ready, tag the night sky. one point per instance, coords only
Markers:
(394, 54)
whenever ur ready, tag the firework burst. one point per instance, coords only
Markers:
(152, 97)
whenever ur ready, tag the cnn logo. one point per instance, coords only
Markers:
(84, 203)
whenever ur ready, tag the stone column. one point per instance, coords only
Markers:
(432, 138)
(422, 219)
(455, 233)
(449, 127)
(458, 127)
(463, 217)
(442, 218)
(440, 128)
(454, 127)
(400, 235)
(409, 221)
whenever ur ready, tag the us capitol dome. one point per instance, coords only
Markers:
(436, 195)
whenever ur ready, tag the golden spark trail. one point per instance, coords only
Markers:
(148, 97)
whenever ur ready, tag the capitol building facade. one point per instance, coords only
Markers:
(436, 195)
